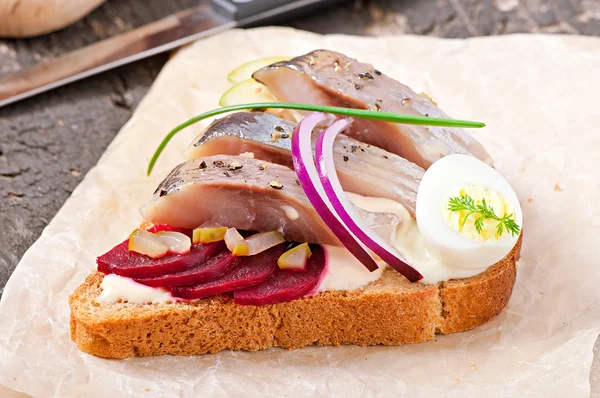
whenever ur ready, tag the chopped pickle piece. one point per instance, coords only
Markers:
(257, 243)
(262, 241)
(296, 258)
(208, 234)
(235, 242)
(144, 242)
(241, 249)
(177, 242)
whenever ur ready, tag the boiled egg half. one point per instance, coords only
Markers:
(467, 213)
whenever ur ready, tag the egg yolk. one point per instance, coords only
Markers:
(456, 219)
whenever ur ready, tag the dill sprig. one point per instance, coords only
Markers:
(359, 113)
(483, 211)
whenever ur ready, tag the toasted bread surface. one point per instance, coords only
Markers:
(389, 311)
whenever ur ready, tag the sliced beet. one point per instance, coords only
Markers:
(249, 271)
(203, 272)
(285, 285)
(123, 262)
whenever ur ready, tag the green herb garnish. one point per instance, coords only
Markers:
(360, 113)
(466, 203)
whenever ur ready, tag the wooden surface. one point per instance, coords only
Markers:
(49, 142)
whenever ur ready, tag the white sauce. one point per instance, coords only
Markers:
(290, 212)
(344, 272)
(406, 239)
(117, 289)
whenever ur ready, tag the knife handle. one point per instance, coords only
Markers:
(72, 66)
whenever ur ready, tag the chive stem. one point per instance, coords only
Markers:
(360, 113)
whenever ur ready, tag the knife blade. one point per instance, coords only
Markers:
(154, 38)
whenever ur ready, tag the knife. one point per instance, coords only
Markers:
(157, 37)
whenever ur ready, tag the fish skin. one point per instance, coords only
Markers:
(239, 132)
(329, 78)
(372, 171)
(243, 198)
(362, 168)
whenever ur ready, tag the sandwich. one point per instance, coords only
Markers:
(288, 228)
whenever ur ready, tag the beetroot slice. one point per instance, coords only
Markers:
(248, 271)
(285, 285)
(123, 262)
(203, 272)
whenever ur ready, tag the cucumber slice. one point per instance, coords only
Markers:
(246, 70)
(245, 92)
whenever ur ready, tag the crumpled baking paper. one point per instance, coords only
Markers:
(538, 96)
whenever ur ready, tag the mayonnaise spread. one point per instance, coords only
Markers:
(117, 289)
(405, 238)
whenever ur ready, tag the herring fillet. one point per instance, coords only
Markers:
(329, 78)
(241, 132)
(217, 189)
(362, 168)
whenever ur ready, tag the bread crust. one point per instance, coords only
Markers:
(389, 311)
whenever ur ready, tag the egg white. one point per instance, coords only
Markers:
(447, 245)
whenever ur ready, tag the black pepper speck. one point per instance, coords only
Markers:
(235, 166)
(275, 185)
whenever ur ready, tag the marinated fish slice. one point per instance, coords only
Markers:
(329, 78)
(363, 169)
(236, 191)
(371, 171)
(267, 136)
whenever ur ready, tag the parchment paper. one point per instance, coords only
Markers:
(538, 96)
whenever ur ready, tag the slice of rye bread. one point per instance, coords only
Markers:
(389, 311)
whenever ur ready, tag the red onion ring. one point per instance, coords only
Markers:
(344, 208)
(304, 164)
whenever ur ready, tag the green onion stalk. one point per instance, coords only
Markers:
(357, 113)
